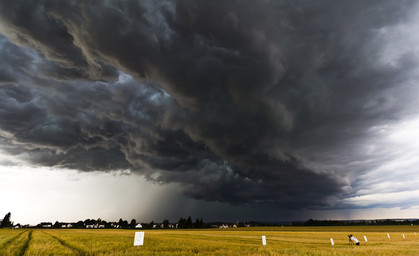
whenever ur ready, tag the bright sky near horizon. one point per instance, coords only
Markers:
(70, 196)
(248, 110)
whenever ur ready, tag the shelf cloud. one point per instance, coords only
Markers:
(254, 103)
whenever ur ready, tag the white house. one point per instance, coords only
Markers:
(66, 225)
(46, 224)
(138, 226)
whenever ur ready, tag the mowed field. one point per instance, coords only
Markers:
(233, 241)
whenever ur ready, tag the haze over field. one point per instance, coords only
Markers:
(225, 110)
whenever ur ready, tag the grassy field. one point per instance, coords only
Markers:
(237, 241)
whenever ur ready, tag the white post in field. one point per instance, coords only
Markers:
(264, 241)
(139, 238)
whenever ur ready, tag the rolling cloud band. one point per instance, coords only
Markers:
(258, 103)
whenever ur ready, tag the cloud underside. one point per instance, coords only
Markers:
(250, 103)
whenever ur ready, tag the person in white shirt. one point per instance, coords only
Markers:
(353, 240)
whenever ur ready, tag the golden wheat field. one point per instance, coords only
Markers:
(233, 241)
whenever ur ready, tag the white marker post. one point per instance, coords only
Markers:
(365, 238)
(264, 241)
(139, 238)
(404, 237)
(388, 236)
(331, 241)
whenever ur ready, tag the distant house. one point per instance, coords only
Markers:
(114, 225)
(66, 225)
(46, 224)
(138, 226)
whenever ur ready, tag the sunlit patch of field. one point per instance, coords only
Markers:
(14, 242)
(44, 244)
(237, 241)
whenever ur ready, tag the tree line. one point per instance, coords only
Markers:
(312, 222)
(182, 223)
(124, 224)
(187, 223)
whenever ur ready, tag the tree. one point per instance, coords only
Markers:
(89, 222)
(165, 223)
(133, 223)
(79, 224)
(181, 223)
(199, 223)
(6, 221)
(57, 225)
(123, 223)
(189, 222)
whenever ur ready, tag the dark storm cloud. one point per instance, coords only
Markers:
(247, 102)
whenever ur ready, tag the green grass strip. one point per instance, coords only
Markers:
(11, 240)
(78, 250)
(26, 245)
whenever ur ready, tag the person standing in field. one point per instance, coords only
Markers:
(353, 240)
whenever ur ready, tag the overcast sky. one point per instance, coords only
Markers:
(225, 110)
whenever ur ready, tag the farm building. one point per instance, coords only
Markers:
(46, 224)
